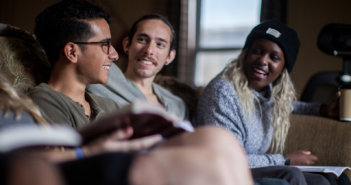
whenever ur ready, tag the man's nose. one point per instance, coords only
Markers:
(113, 55)
(149, 48)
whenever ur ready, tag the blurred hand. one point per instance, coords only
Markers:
(331, 110)
(118, 142)
(302, 157)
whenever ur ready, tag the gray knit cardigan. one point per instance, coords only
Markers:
(219, 105)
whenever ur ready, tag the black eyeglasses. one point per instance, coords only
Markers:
(105, 45)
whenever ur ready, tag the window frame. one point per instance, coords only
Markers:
(200, 49)
(197, 42)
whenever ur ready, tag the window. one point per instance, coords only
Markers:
(222, 27)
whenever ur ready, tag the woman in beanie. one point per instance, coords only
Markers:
(254, 96)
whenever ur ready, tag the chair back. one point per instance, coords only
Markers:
(333, 39)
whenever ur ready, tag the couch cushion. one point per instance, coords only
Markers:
(327, 138)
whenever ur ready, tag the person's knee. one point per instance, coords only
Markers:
(221, 141)
(313, 178)
(211, 137)
(216, 136)
(291, 174)
(205, 136)
(218, 143)
(271, 181)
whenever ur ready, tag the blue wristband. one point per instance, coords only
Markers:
(79, 152)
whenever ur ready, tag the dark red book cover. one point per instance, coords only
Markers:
(145, 119)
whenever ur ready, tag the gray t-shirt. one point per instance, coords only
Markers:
(124, 91)
(59, 108)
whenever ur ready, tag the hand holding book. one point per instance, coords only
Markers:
(145, 118)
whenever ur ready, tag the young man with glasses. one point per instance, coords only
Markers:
(80, 53)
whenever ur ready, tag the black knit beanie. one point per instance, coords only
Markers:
(279, 33)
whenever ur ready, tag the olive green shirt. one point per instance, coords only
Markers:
(59, 108)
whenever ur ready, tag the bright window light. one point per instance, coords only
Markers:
(224, 26)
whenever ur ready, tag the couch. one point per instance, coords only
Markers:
(327, 138)
(23, 61)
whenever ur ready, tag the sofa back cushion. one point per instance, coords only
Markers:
(327, 138)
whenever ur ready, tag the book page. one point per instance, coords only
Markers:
(16, 136)
(336, 170)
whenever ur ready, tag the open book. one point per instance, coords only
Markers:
(145, 119)
(336, 170)
(18, 136)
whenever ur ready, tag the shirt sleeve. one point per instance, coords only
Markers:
(262, 160)
(218, 106)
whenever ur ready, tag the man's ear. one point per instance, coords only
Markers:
(170, 56)
(125, 43)
(70, 51)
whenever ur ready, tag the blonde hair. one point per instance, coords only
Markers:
(283, 94)
(12, 100)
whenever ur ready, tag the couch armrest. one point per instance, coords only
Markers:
(329, 139)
